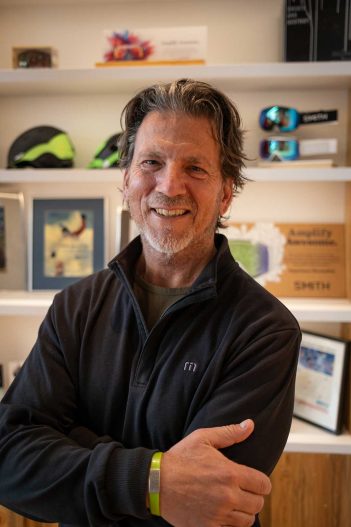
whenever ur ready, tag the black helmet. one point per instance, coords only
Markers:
(107, 155)
(41, 147)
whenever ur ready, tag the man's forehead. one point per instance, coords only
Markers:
(173, 128)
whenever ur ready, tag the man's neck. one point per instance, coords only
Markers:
(173, 270)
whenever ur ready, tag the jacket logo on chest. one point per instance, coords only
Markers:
(190, 366)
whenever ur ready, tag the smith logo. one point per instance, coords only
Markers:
(190, 366)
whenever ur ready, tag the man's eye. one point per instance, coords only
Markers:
(149, 162)
(198, 171)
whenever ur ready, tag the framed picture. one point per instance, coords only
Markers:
(320, 380)
(126, 229)
(67, 241)
(12, 242)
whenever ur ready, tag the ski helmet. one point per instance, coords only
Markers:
(41, 147)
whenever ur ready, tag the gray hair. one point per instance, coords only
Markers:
(198, 99)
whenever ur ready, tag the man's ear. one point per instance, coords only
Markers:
(227, 196)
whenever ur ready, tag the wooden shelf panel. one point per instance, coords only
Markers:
(305, 309)
(319, 309)
(63, 175)
(305, 437)
(230, 77)
(83, 175)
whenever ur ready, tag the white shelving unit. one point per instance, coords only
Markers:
(259, 174)
(247, 78)
(253, 77)
(305, 438)
(28, 303)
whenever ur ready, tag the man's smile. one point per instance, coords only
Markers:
(172, 213)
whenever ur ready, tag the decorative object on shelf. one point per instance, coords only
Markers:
(321, 380)
(317, 30)
(162, 45)
(126, 228)
(288, 119)
(41, 147)
(107, 155)
(282, 148)
(292, 260)
(34, 57)
(67, 241)
(12, 241)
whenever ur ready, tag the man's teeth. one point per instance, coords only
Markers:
(166, 212)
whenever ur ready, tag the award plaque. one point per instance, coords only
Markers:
(320, 380)
(67, 241)
(292, 260)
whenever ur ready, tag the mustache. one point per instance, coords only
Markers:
(159, 200)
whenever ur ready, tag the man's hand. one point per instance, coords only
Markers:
(200, 487)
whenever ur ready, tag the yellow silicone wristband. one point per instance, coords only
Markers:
(154, 484)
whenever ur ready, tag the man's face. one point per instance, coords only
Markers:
(174, 187)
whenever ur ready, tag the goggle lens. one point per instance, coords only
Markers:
(285, 119)
(276, 148)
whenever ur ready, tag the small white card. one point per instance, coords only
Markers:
(155, 45)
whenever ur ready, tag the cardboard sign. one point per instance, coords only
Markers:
(292, 260)
(162, 45)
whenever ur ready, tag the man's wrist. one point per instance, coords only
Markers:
(154, 484)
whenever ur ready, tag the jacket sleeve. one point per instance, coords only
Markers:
(51, 470)
(258, 383)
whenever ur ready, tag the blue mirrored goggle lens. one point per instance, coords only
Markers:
(286, 150)
(285, 119)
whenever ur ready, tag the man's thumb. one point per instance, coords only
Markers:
(225, 436)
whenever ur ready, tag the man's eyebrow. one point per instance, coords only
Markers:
(149, 153)
(154, 153)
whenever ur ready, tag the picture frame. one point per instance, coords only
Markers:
(126, 229)
(321, 380)
(13, 269)
(67, 241)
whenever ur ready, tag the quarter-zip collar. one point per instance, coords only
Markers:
(124, 264)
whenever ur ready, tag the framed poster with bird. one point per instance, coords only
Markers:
(67, 241)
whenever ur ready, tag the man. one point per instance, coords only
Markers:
(163, 352)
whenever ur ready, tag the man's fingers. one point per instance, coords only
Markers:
(225, 436)
(240, 519)
(254, 481)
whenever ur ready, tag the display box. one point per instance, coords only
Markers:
(318, 30)
(34, 57)
(292, 260)
(162, 45)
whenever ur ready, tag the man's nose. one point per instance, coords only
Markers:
(171, 180)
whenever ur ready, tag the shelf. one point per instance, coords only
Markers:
(292, 174)
(305, 309)
(319, 309)
(63, 175)
(83, 175)
(306, 438)
(238, 77)
(25, 302)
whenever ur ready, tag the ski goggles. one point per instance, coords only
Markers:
(289, 149)
(288, 119)
(280, 149)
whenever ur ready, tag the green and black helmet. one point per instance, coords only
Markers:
(41, 147)
(107, 155)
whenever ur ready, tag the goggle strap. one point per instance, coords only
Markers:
(312, 147)
(323, 116)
